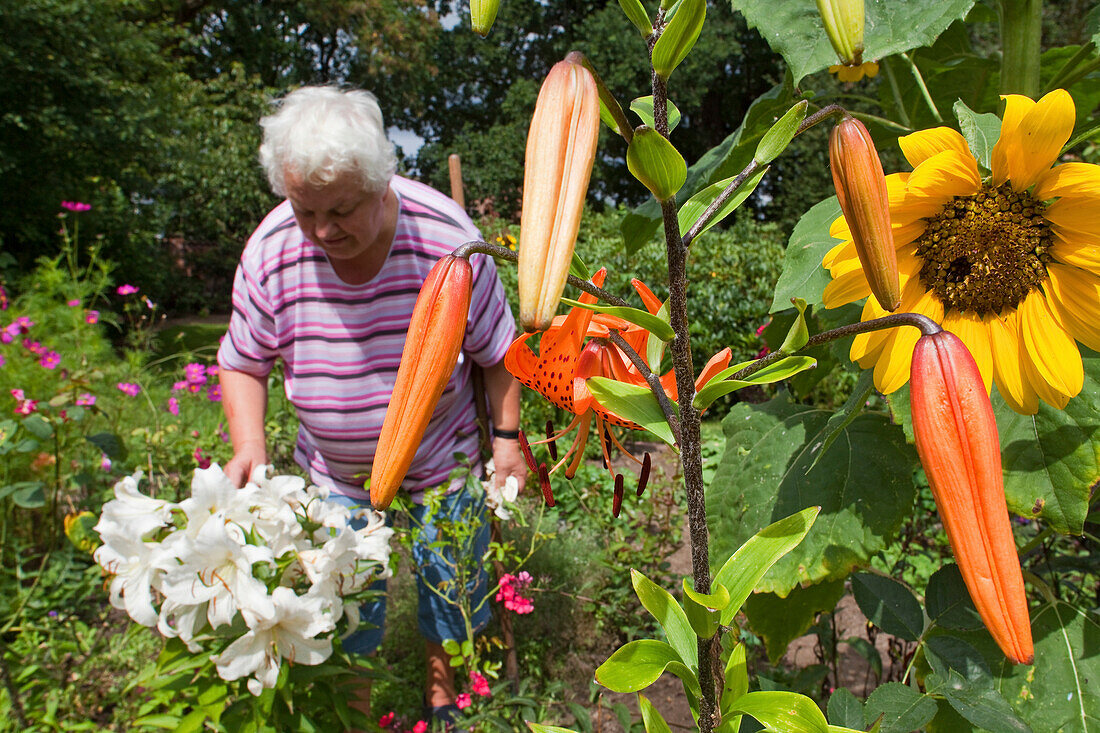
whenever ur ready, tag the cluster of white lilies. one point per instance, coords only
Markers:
(276, 555)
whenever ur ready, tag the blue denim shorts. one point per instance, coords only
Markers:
(437, 618)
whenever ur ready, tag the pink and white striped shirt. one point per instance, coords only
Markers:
(341, 344)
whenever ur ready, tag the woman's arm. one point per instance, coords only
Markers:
(503, 392)
(244, 398)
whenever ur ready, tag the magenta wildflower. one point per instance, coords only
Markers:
(148, 303)
(34, 347)
(173, 406)
(479, 684)
(76, 206)
(50, 360)
(126, 289)
(195, 372)
(177, 386)
(214, 393)
(85, 399)
(18, 394)
(420, 727)
(510, 593)
(129, 388)
(212, 370)
(73, 303)
(25, 407)
(3, 299)
(463, 701)
(201, 459)
(24, 323)
(91, 317)
(386, 720)
(104, 462)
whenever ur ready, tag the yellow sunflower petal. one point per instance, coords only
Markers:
(1051, 350)
(1079, 250)
(1070, 179)
(839, 229)
(944, 175)
(1032, 145)
(1080, 215)
(1075, 297)
(972, 331)
(1016, 108)
(1045, 392)
(846, 287)
(1008, 370)
(839, 253)
(920, 146)
(906, 233)
(867, 346)
(893, 365)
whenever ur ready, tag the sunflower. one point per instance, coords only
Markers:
(1010, 262)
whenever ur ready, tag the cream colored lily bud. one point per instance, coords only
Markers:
(844, 25)
(561, 146)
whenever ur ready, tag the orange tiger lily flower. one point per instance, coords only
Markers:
(573, 350)
(958, 445)
(432, 346)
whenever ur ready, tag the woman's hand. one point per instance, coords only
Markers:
(508, 461)
(246, 457)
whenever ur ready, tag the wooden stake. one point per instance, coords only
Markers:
(454, 162)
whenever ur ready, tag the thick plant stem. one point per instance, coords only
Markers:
(691, 456)
(1021, 35)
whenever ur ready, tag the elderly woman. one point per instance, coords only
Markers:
(327, 283)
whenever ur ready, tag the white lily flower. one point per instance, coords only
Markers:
(290, 633)
(182, 620)
(134, 568)
(131, 513)
(212, 493)
(217, 569)
(496, 497)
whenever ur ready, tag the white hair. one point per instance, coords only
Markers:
(318, 134)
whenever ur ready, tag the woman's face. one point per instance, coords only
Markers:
(340, 218)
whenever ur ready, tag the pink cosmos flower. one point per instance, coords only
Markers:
(25, 407)
(173, 406)
(73, 303)
(463, 701)
(76, 206)
(212, 370)
(177, 386)
(129, 388)
(85, 399)
(104, 462)
(214, 393)
(148, 303)
(50, 360)
(24, 323)
(201, 459)
(18, 394)
(126, 289)
(34, 347)
(91, 317)
(194, 372)
(479, 684)
(386, 720)
(3, 299)
(420, 727)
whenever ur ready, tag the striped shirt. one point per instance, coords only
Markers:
(341, 344)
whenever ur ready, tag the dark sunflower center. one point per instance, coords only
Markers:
(986, 252)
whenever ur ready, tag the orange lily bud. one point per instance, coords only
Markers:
(957, 442)
(432, 346)
(561, 146)
(861, 188)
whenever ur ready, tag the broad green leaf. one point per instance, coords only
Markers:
(697, 204)
(651, 718)
(721, 162)
(779, 621)
(946, 653)
(539, 728)
(638, 664)
(634, 403)
(977, 702)
(653, 160)
(656, 325)
(803, 276)
(783, 711)
(678, 37)
(79, 528)
(643, 107)
(776, 140)
(663, 607)
(30, 496)
(948, 602)
(744, 569)
(857, 400)
(637, 15)
(889, 605)
(1058, 693)
(845, 709)
(863, 484)
(720, 384)
(108, 444)
(1051, 458)
(903, 708)
(37, 426)
(795, 30)
(981, 131)
(1091, 25)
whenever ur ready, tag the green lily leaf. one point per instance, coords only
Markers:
(539, 728)
(694, 207)
(704, 620)
(637, 15)
(776, 140)
(783, 711)
(654, 161)
(638, 664)
(663, 607)
(655, 348)
(718, 599)
(744, 569)
(678, 37)
(720, 384)
(634, 403)
(649, 321)
(578, 269)
(651, 719)
(643, 107)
